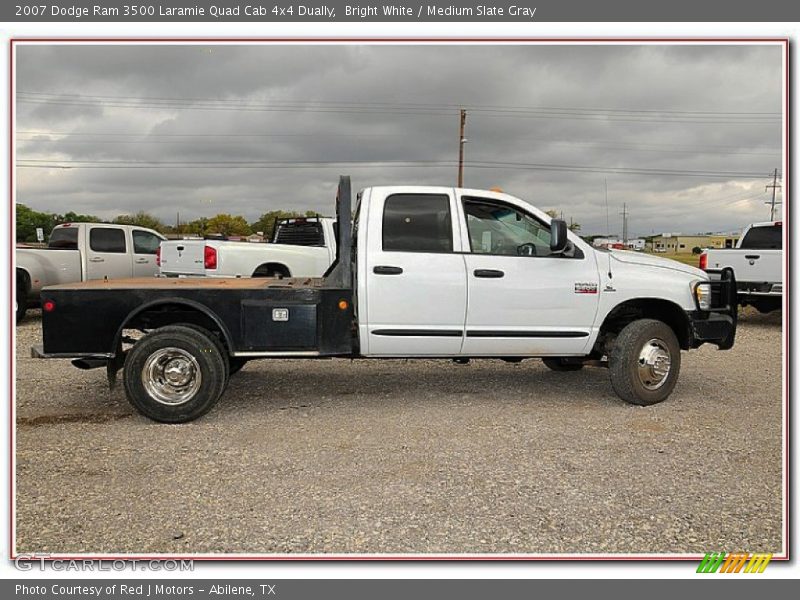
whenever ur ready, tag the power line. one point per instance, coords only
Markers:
(211, 136)
(399, 109)
(477, 164)
(416, 105)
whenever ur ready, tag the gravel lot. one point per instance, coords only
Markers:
(408, 457)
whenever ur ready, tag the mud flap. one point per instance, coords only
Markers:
(114, 365)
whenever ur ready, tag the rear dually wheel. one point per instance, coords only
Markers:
(175, 374)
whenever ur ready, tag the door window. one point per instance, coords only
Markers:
(145, 242)
(498, 228)
(417, 223)
(106, 239)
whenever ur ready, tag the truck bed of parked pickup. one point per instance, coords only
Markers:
(424, 272)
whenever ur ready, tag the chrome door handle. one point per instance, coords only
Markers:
(141, 261)
(97, 259)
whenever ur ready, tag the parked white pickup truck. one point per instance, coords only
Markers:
(757, 263)
(301, 247)
(84, 251)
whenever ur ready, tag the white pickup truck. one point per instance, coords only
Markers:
(301, 247)
(84, 251)
(757, 263)
(424, 272)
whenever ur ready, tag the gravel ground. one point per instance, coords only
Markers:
(338, 456)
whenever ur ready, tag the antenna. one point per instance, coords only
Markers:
(608, 228)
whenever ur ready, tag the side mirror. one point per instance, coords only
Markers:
(558, 236)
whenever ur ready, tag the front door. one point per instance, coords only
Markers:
(416, 284)
(106, 254)
(522, 299)
(145, 246)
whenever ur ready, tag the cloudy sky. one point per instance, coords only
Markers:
(687, 136)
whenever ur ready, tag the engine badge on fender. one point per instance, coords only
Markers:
(585, 288)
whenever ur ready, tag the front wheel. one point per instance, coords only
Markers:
(645, 362)
(174, 374)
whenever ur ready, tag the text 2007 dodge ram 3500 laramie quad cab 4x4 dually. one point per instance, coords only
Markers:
(425, 272)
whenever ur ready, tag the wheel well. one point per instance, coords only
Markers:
(272, 270)
(174, 313)
(647, 308)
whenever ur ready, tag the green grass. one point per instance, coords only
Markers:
(687, 259)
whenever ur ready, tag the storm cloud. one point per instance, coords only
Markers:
(686, 135)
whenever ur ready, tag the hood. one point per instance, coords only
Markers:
(649, 260)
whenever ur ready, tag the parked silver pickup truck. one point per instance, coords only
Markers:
(84, 251)
(757, 263)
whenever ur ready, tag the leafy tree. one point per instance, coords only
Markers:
(226, 225)
(73, 217)
(266, 222)
(198, 226)
(28, 220)
(141, 219)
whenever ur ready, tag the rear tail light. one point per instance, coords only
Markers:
(703, 261)
(210, 257)
(48, 306)
(158, 256)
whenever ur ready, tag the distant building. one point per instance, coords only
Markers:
(677, 243)
(618, 244)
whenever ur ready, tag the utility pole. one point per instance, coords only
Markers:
(624, 214)
(774, 187)
(461, 141)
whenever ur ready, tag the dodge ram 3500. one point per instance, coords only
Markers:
(424, 272)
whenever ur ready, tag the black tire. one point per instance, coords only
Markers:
(562, 364)
(190, 348)
(635, 381)
(279, 271)
(217, 342)
(22, 302)
(236, 364)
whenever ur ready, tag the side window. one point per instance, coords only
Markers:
(107, 239)
(417, 223)
(497, 228)
(145, 242)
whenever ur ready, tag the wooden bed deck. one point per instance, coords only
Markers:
(194, 283)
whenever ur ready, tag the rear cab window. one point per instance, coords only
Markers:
(64, 238)
(107, 239)
(764, 237)
(417, 223)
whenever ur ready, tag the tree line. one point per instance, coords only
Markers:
(28, 220)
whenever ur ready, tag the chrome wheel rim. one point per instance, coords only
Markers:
(655, 362)
(171, 376)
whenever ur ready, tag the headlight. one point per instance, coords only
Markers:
(702, 293)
